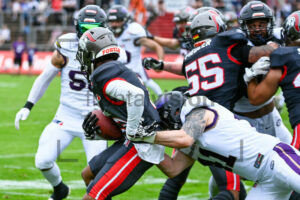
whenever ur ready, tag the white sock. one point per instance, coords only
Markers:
(53, 175)
(154, 86)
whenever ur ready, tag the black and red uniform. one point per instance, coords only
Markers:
(119, 166)
(288, 59)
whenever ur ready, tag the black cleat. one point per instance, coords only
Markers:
(61, 191)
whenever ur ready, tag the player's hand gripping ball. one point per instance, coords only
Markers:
(97, 126)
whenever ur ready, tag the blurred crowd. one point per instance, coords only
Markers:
(26, 14)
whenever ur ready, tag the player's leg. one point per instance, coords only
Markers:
(229, 185)
(51, 143)
(149, 82)
(173, 186)
(97, 162)
(93, 147)
(120, 172)
(280, 129)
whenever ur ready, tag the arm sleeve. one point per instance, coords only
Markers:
(42, 82)
(134, 98)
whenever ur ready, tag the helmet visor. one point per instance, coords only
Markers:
(83, 27)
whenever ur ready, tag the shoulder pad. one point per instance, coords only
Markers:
(136, 29)
(230, 37)
(280, 56)
(67, 43)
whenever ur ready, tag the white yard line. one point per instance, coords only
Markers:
(35, 169)
(37, 195)
(4, 156)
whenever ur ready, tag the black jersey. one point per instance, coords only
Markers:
(288, 58)
(115, 70)
(213, 71)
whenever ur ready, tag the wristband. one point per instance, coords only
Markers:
(28, 105)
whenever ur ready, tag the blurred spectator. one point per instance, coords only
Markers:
(197, 4)
(137, 8)
(16, 9)
(30, 53)
(69, 5)
(4, 34)
(54, 35)
(161, 9)
(19, 47)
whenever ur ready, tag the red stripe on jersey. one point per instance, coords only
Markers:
(230, 56)
(233, 181)
(173, 152)
(296, 137)
(284, 73)
(118, 103)
(114, 177)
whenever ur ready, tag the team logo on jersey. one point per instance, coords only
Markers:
(98, 97)
(258, 161)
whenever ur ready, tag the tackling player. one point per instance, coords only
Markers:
(76, 100)
(213, 135)
(123, 97)
(131, 36)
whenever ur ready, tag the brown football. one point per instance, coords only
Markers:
(109, 129)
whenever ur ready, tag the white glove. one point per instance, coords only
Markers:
(261, 67)
(21, 115)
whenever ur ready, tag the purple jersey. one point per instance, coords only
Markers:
(19, 48)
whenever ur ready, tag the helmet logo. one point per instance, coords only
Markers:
(257, 5)
(89, 20)
(89, 36)
(109, 50)
(258, 15)
(294, 21)
(91, 11)
(113, 11)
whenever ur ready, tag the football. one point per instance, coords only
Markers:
(109, 129)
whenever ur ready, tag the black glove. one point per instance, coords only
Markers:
(91, 130)
(149, 35)
(151, 63)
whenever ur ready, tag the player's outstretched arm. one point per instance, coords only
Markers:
(171, 43)
(40, 85)
(152, 63)
(175, 165)
(151, 44)
(259, 93)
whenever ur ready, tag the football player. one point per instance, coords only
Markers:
(214, 68)
(272, 164)
(284, 72)
(131, 36)
(123, 97)
(76, 100)
(257, 22)
(179, 33)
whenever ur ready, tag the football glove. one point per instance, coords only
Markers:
(21, 115)
(89, 125)
(261, 67)
(144, 133)
(151, 63)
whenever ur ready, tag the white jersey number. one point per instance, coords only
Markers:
(296, 81)
(204, 72)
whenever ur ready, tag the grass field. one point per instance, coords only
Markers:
(20, 180)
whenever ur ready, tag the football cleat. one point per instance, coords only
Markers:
(62, 191)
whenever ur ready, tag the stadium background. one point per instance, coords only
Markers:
(19, 179)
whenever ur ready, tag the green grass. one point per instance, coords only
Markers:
(19, 180)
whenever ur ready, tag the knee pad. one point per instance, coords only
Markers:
(42, 162)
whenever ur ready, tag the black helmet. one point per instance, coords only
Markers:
(118, 13)
(291, 27)
(90, 16)
(95, 44)
(206, 25)
(257, 10)
(169, 107)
